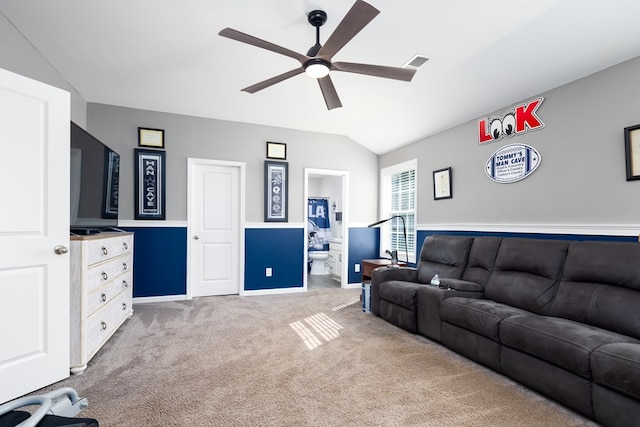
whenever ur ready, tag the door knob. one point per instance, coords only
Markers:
(60, 250)
(196, 237)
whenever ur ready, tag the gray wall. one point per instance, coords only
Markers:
(19, 56)
(581, 179)
(232, 141)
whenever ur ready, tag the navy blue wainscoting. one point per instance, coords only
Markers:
(422, 234)
(364, 243)
(159, 261)
(282, 250)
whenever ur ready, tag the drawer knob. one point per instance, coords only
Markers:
(103, 297)
(124, 266)
(105, 276)
(125, 246)
(105, 251)
(104, 325)
(125, 284)
(124, 306)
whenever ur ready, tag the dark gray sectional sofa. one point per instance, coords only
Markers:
(561, 317)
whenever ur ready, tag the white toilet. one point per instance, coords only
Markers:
(319, 261)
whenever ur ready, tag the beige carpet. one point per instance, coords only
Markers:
(311, 359)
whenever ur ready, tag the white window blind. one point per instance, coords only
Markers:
(399, 199)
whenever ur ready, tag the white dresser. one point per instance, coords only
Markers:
(101, 292)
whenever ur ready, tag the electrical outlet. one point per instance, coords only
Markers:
(358, 265)
(268, 272)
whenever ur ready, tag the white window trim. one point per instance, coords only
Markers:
(385, 203)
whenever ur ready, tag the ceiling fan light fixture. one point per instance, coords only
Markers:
(317, 68)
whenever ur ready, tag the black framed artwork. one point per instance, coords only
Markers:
(442, 184)
(276, 191)
(276, 150)
(149, 184)
(150, 138)
(111, 183)
(632, 151)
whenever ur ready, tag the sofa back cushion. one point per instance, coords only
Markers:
(482, 258)
(526, 273)
(600, 286)
(445, 256)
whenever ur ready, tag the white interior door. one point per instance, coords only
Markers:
(34, 221)
(215, 215)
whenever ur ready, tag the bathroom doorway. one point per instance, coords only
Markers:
(332, 185)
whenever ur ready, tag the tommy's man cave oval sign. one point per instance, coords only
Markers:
(512, 163)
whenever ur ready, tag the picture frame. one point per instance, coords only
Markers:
(442, 184)
(632, 152)
(276, 150)
(151, 138)
(111, 182)
(276, 191)
(149, 184)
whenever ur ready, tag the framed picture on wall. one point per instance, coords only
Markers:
(276, 189)
(442, 184)
(151, 138)
(632, 151)
(277, 150)
(149, 184)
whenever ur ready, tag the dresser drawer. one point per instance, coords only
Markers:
(104, 322)
(98, 275)
(104, 249)
(103, 296)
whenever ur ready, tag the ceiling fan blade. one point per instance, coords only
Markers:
(405, 74)
(329, 93)
(360, 14)
(273, 80)
(254, 41)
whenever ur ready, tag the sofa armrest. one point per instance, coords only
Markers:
(428, 311)
(460, 285)
(385, 274)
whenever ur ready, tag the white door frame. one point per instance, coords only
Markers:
(344, 274)
(192, 162)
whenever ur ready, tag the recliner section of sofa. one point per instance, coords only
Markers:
(560, 317)
(396, 302)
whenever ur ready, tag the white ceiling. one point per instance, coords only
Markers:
(166, 55)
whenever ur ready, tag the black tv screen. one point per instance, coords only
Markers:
(95, 171)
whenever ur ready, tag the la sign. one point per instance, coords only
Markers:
(520, 119)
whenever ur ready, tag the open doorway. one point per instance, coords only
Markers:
(326, 195)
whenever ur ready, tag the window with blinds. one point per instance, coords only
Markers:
(399, 199)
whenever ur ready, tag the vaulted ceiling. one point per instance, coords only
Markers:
(166, 55)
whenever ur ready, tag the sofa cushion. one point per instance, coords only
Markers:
(526, 273)
(482, 258)
(562, 342)
(477, 315)
(443, 255)
(617, 366)
(600, 285)
(400, 293)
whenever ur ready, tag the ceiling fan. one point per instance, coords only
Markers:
(317, 62)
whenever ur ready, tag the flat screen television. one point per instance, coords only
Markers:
(95, 171)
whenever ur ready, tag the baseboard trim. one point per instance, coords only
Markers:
(165, 298)
(275, 291)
